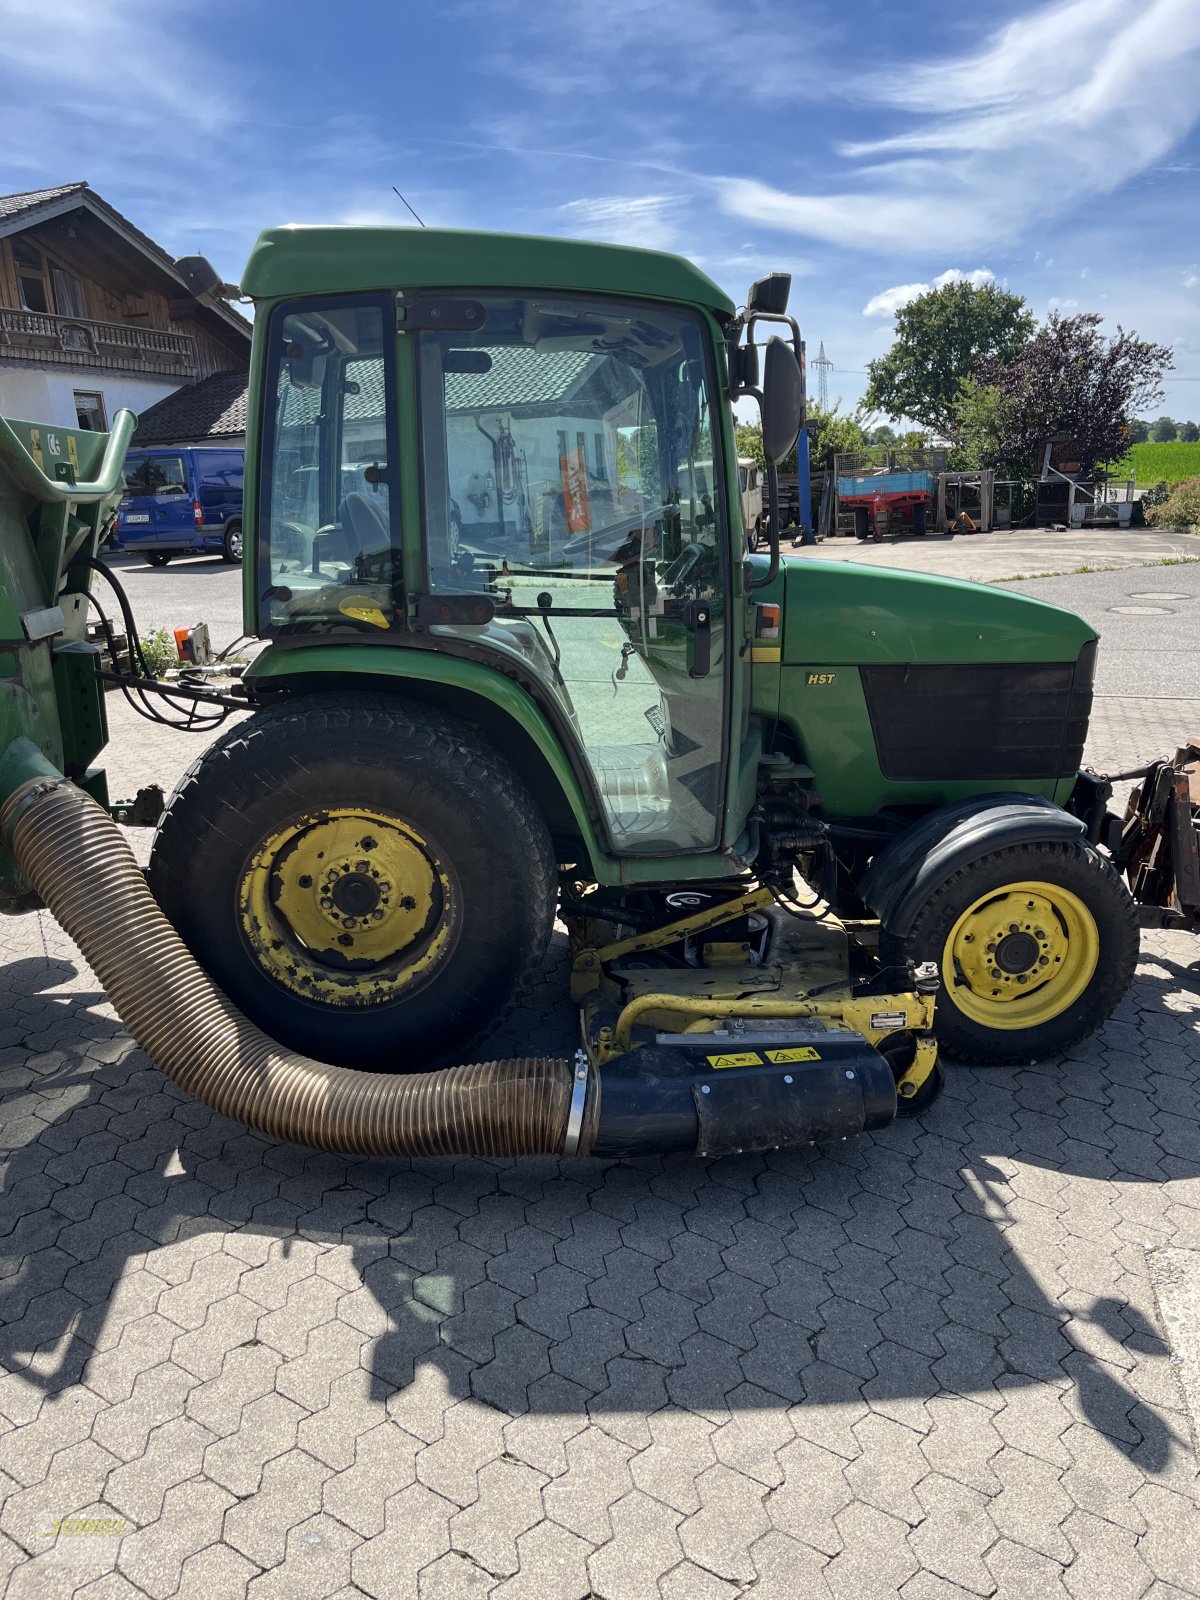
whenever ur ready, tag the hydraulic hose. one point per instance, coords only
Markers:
(78, 861)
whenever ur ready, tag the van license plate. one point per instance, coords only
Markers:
(137, 517)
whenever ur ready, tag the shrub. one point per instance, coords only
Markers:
(160, 652)
(1180, 509)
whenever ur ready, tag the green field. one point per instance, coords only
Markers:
(1159, 463)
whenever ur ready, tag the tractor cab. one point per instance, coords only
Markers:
(544, 480)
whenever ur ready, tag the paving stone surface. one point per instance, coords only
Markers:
(929, 1362)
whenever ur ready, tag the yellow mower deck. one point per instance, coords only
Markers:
(750, 1013)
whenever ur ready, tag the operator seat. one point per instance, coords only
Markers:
(364, 524)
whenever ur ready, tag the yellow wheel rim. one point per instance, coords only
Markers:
(1020, 956)
(348, 907)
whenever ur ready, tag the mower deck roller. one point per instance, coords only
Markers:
(683, 1097)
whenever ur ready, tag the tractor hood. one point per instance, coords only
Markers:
(844, 615)
(904, 689)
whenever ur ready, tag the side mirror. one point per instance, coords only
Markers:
(782, 401)
(769, 295)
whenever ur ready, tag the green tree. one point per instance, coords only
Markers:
(1139, 431)
(884, 436)
(979, 424)
(829, 434)
(1189, 433)
(748, 437)
(941, 338)
(1164, 430)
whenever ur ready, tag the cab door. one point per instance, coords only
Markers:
(568, 452)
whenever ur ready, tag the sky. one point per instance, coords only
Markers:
(870, 147)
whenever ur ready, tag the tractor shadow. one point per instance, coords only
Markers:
(970, 1251)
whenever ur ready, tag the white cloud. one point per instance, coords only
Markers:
(975, 145)
(888, 301)
(1191, 277)
(623, 219)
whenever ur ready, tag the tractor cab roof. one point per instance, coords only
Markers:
(293, 261)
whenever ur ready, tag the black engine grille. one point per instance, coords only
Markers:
(1000, 721)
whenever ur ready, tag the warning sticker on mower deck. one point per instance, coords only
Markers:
(775, 1058)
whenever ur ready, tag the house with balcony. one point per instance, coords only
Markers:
(94, 316)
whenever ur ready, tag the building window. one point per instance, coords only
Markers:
(31, 277)
(68, 293)
(44, 287)
(89, 408)
(601, 471)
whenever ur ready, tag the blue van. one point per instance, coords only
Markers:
(182, 502)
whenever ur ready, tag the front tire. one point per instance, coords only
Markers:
(232, 549)
(369, 881)
(1035, 945)
(156, 558)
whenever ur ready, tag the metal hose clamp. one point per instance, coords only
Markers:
(579, 1090)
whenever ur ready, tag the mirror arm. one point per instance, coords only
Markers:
(772, 571)
(771, 316)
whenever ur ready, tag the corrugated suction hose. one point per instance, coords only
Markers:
(78, 861)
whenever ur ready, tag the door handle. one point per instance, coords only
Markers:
(698, 617)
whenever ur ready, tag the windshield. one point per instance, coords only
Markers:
(155, 475)
(330, 554)
(557, 437)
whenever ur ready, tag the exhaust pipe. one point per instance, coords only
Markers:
(656, 1099)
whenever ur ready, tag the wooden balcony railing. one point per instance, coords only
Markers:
(80, 342)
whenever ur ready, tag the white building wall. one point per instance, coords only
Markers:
(47, 394)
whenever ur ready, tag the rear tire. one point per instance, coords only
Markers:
(862, 523)
(439, 857)
(156, 558)
(919, 521)
(232, 550)
(1035, 944)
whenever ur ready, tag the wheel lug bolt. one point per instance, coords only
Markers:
(326, 905)
(1013, 928)
(378, 916)
(350, 922)
(1039, 933)
(362, 866)
(1022, 977)
(996, 972)
(1043, 961)
(991, 949)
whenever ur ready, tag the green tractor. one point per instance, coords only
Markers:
(803, 821)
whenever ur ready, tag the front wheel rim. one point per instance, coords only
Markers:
(348, 907)
(1021, 955)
